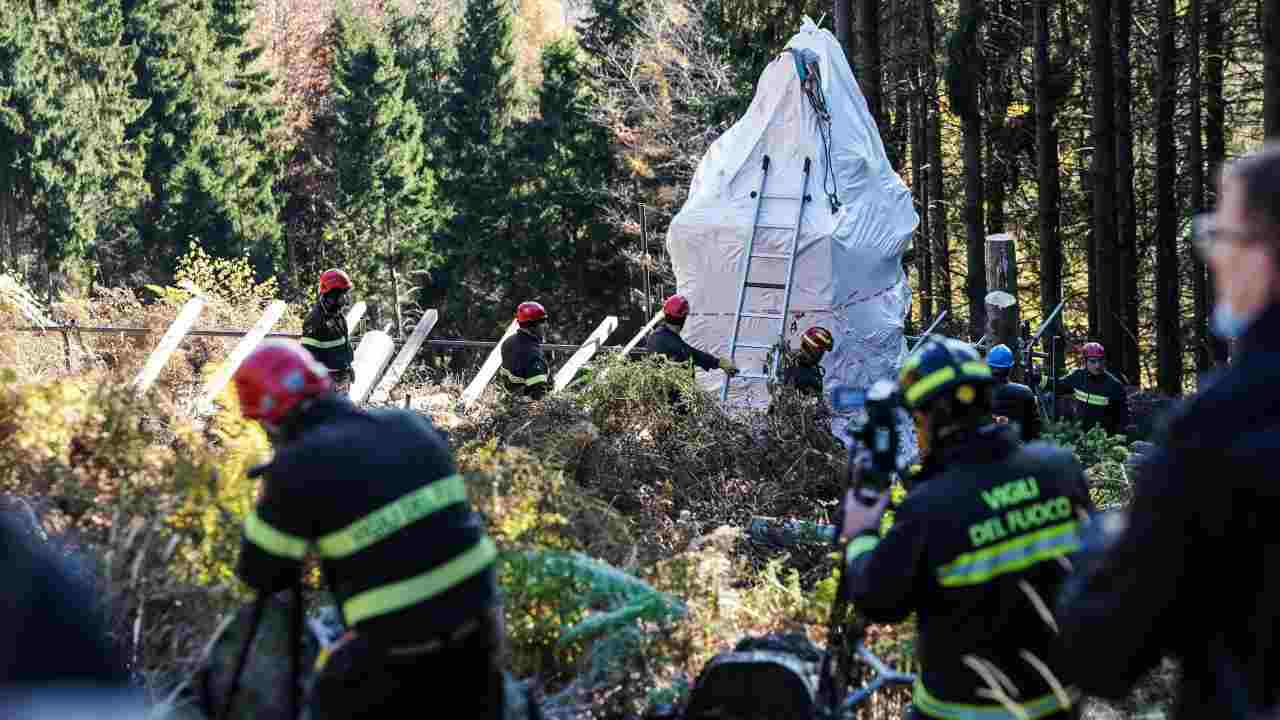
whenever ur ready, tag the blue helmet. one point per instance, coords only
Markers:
(1000, 357)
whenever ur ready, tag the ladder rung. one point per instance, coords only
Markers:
(771, 256)
(783, 197)
(750, 376)
(754, 346)
(767, 286)
(777, 227)
(761, 316)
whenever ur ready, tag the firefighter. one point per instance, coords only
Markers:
(1011, 401)
(665, 340)
(524, 370)
(975, 548)
(325, 333)
(377, 496)
(805, 373)
(1100, 398)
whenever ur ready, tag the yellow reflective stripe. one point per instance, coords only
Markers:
(272, 540)
(393, 517)
(928, 383)
(400, 595)
(976, 368)
(859, 546)
(1010, 556)
(535, 380)
(1092, 399)
(322, 344)
(933, 707)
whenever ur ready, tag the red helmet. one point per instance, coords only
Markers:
(676, 307)
(276, 376)
(1093, 350)
(816, 340)
(334, 279)
(529, 312)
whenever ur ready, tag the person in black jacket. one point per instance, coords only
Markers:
(1100, 398)
(57, 658)
(325, 333)
(1195, 574)
(975, 549)
(524, 370)
(805, 373)
(665, 340)
(1011, 401)
(376, 495)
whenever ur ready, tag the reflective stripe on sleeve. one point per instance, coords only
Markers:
(405, 593)
(859, 546)
(274, 541)
(322, 344)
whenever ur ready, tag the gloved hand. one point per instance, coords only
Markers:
(727, 365)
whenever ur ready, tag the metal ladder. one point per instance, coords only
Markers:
(789, 256)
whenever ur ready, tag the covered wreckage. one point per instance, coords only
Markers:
(853, 230)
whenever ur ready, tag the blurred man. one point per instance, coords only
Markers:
(665, 340)
(1196, 572)
(1010, 401)
(376, 494)
(805, 373)
(1100, 398)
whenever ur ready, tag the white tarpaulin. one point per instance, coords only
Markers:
(848, 276)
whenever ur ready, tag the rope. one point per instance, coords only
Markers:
(811, 85)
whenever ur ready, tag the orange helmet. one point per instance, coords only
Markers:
(276, 376)
(334, 279)
(817, 340)
(528, 312)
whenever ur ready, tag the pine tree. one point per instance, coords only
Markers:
(64, 105)
(210, 172)
(383, 193)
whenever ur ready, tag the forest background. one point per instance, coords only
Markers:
(470, 155)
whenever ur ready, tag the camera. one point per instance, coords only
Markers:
(878, 435)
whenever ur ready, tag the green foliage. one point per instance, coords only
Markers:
(384, 187)
(206, 129)
(227, 281)
(1090, 448)
(64, 106)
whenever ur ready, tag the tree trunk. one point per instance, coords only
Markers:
(1001, 303)
(938, 208)
(1270, 27)
(843, 16)
(971, 147)
(1047, 175)
(919, 183)
(1110, 298)
(869, 53)
(1215, 57)
(1125, 356)
(395, 276)
(1168, 331)
(1195, 158)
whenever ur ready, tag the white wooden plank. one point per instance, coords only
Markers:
(487, 371)
(241, 351)
(355, 315)
(172, 337)
(585, 352)
(407, 353)
(374, 352)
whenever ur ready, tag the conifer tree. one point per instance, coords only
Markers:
(383, 192)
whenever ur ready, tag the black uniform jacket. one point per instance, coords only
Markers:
(524, 371)
(984, 527)
(1196, 572)
(805, 378)
(325, 336)
(1099, 400)
(667, 342)
(1017, 403)
(376, 494)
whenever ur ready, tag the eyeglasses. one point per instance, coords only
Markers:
(1207, 233)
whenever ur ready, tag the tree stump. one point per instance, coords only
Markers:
(1002, 299)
